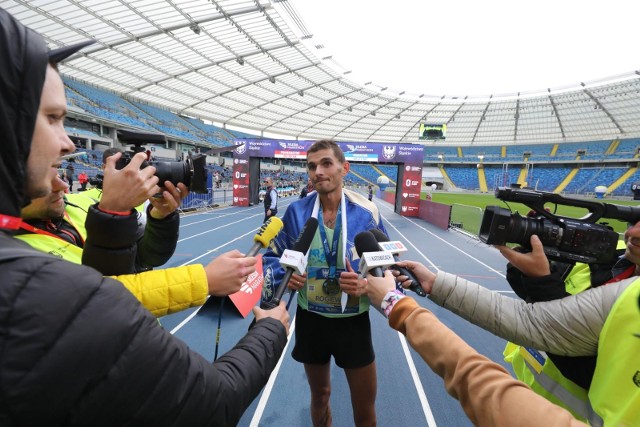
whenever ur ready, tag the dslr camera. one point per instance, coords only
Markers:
(564, 239)
(192, 171)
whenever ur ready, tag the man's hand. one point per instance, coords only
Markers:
(124, 189)
(170, 201)
(422, 273)
(377, 287)
(228, 272)
(350, 281)
(297, 281)
(279, 313)
(532, 264)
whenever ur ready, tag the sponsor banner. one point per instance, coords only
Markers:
(300, 155)
(367, 152)
(249, 294)
(361, 157)
(406, 210)
(240, 184)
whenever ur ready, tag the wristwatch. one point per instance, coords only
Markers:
(389, 301)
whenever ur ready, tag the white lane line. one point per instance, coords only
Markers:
(426, 408)
(266, 393)
(223, 226)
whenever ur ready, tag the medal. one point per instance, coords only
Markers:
(331, 286)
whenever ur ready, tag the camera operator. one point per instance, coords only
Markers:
(535, 279)
(150, 234)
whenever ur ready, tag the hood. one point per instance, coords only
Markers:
(23, 63)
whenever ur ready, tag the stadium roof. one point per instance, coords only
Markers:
(244, 63)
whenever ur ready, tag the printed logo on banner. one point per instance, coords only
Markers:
(235, 199)
(240, 149)
(405, 195)
(282, 144)
(235, 186)
(388, 152)
(407, 168)
(404, 209)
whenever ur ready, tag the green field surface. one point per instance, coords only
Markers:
(471, 217)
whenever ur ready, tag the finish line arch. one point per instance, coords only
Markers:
(408, 157)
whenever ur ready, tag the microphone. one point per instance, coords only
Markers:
(372, 259)
(395, 247)
(265, 235)
(294, 261)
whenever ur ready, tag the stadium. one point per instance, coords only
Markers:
(245, 84)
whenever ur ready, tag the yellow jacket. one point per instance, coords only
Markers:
(161, 291)
(170, 290)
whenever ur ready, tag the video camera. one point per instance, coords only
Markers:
(564, 239)
(192, 172)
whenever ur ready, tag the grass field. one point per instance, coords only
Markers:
(463, 212)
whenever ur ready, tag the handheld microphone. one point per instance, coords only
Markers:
(294, 261)
(372, 259)
(396, 247)
(265, 235)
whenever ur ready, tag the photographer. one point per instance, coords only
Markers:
(145, 239)
(53, 225)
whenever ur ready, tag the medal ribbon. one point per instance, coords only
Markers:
(331, 254)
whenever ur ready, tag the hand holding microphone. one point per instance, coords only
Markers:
(395, 247)
(294, 260)
(227, 272)
(372, 260)
(266, 233)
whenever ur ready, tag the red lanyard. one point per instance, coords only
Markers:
(36, 230)
(10, 222)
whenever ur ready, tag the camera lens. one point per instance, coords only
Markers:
(173, 172)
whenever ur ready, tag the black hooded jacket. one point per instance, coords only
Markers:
(77, 348)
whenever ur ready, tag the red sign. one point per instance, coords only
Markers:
(249, 294)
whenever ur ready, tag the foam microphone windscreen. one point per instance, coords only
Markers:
(268, 231)
(379, 235)
(306, 236)
(366, 242)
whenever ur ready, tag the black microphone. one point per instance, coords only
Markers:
(372, 259)
(265, 235)
(294, 261)
(415, 285)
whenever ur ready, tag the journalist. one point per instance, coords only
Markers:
(602, 321)
(78, 348)
(488, 394)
